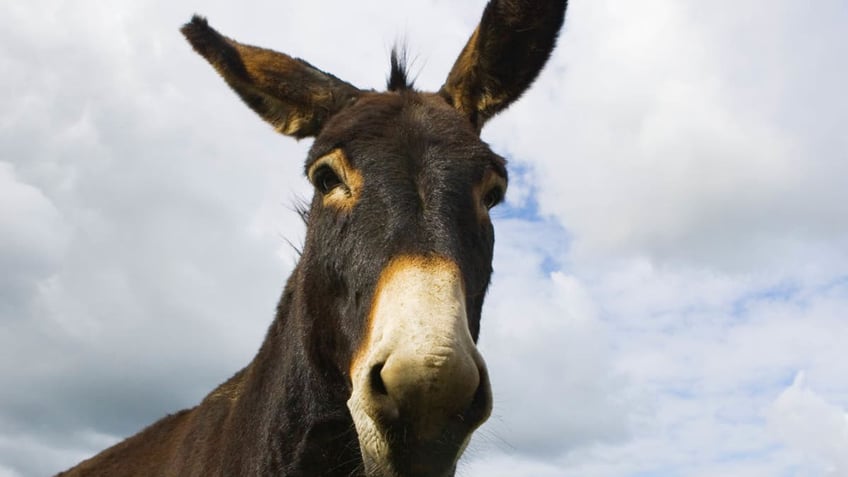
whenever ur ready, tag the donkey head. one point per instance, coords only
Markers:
(398, 251)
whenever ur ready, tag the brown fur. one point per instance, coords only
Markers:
(503, 56)
(418, 178)
(292, 95)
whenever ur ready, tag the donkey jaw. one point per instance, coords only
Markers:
(420, 387)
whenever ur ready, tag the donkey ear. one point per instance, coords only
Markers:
(292, 95)
(504, 55)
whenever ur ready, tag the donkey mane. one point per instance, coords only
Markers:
(399, 73)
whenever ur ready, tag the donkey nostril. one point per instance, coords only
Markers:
(377, 384)
(383, 407)
(481, 402)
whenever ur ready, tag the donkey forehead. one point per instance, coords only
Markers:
(416, 130)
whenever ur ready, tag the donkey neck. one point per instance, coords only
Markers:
(296, 418)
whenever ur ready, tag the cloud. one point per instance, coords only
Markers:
(816, 428)
(675, 131)
(506, 466)
(548, 353)
(671, 254)
(5, 472)
(117, 225)
(33, 237)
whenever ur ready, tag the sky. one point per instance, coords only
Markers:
(670, 295)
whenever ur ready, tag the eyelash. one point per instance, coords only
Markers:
(325, 179)
(493, 197)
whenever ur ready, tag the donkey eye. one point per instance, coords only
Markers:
(493, 197)
(325, 179)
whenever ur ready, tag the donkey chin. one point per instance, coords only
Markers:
(420, 387)
(393, 446)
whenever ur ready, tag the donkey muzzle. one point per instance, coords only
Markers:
(420, 386)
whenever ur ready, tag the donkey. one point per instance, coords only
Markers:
(370, 367)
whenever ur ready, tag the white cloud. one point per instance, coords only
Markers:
(507, 466)
(664, 129)
(816, 428)
(548, 354)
